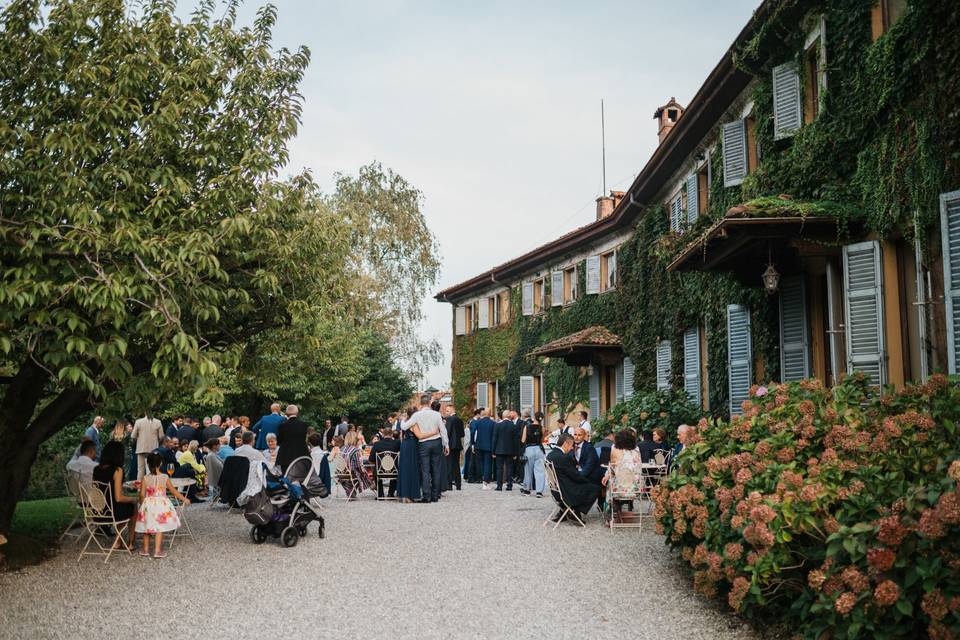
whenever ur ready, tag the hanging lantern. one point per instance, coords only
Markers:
(771, 279)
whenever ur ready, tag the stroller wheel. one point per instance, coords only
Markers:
(258, 536)
(302, 531)
(289, 537)
(322, 532)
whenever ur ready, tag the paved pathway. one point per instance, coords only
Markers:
(477, 565)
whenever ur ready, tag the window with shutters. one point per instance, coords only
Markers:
(570, 285)
(863, 310)
(676, 212)
(734, 140)
(786, 100)
(556, 289)
(664, 361)
(594, 384)
(460, 321)
(703, 187)
(739, 356)
(628, 377)
(794, 335)
(814, 72)
(539, 296)
(526, 295)
(691, 364)
(470, 318)
(482, 394)
(608, 271)
(526, 393)
(483, 313)
(950, 238)
(593, 275)
(505, 309)
(884, 14)
(692, 198)
(618, 383)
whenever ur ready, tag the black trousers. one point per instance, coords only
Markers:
(504, 470)
(453, 470)
(391, 488)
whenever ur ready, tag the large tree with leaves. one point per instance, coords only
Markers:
(145, 236)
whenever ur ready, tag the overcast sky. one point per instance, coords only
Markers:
(492, 109)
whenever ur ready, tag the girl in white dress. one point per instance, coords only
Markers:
(157, 514)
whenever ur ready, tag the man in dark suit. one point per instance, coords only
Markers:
(484, 446)
(585, 456)
(471, 468)
(605, 446)
(455, 439)
(505, 450)
(186, 432)
(647, 446)
(291, 438)
(578, 491)
(386, 443)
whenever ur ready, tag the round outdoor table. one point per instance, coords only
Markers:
(179, 483)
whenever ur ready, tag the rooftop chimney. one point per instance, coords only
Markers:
(607, 204)
(666, 117)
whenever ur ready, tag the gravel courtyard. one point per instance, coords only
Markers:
(477, 565)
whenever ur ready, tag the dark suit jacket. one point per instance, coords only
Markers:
(169, 456)
(505, 438)
(578, 491)
(186, 433)
(485, 434)
(381, 445)
(589, 462)
(605, 447)
(292, 440)
(455, 432)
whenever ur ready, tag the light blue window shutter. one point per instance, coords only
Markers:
(556, 288)
(628, 373)
(483, 313)
(739, 356)
(693, 199)
(794, 336)
(619, 382)
(664, 356)
(734, 153)
(950, 233)
(691, 363)
(526, 393)
(593, 274)
(786, 100)
(594, 394)
(527, 306)
(863, 288)
(460, 321)
(676, 213)
(482, 391)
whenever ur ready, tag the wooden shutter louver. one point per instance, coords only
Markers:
(664, 357)
(594, 394)
(483, 313)
(787, 116)
(526, 393)
(739, 356)
(618, 383)
(628, 375)
(734, 153)
(460, 321)
(794, 335)
(693, 198)
(556, 289)
(593, 275)
(482, 391)
(676, 213)
(950, 234)
(863, 288)
(527, 298)
(691, 364)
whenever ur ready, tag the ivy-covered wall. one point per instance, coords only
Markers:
(885, 144)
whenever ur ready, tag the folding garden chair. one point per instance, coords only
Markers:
(343, 476)
(72, 481)
(563, 509)
(386, 472)
(101, 522)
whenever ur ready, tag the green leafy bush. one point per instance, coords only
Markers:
(651, 410)
(834, 509)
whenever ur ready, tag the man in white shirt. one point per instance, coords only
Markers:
(432, 448)
(82, 466)
(585, 423)
(561, 428)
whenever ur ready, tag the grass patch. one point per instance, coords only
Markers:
(36, 526)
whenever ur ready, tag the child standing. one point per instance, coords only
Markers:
(157, 514)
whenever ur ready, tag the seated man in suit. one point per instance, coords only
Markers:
(386, 443)
(578, 491)
(584, 454)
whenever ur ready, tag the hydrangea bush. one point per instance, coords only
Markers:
(834, 509)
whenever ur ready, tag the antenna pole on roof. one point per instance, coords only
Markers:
(603, 144)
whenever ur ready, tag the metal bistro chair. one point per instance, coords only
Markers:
(343, 476)
(563, 509)
(386, 472)
(616, 494)
(72, 481)
(101, 522)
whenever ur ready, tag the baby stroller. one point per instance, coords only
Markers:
(287, 504)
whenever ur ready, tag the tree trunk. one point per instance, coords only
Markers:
(16, 459)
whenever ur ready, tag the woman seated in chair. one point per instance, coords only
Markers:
(189, 457)
(354, 459)
(270, 453)
(624, 477)
(110, 474)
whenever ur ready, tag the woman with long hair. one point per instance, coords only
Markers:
(408, 464)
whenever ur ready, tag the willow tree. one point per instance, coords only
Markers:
(145, 234)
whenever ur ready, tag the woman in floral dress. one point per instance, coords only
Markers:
(624, 478)
(157, 514)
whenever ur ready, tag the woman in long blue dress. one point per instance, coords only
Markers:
(409, 464)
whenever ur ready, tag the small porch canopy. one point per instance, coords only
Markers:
(595, 344)
(779, 229)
